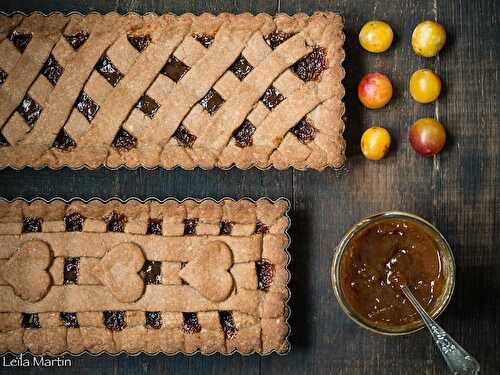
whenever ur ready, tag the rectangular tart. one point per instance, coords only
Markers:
(190, 276)
(191, 91)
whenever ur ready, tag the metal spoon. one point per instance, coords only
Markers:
(457, 359)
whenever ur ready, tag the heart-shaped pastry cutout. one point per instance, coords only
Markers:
(208, 272)
(119, 271)
(26, 271)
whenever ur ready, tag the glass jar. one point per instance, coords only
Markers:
(448, 271)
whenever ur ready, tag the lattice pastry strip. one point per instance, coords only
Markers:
(109, 277)
(178, 91)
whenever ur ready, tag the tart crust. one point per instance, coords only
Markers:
(70, 286)
(191, 91)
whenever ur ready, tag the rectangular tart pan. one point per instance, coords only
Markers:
(311, 114)
(20, 215)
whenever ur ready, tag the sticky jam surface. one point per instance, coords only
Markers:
(383, 256)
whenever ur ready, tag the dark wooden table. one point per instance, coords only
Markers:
(459, 191)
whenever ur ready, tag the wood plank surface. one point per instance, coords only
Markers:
(457, 190)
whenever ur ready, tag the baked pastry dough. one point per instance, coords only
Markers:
(144, 277)
(207, 91)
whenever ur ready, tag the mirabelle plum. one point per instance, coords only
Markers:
(427, 136)
(375, 143)
(376, 36)
(375, 90)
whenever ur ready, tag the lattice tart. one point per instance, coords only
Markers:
(144, 276)
(207, 91)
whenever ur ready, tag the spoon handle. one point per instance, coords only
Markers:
(458, 360)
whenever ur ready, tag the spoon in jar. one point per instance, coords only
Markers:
(457, 359)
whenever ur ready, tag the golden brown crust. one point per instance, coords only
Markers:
(182, 127)
(228, 264)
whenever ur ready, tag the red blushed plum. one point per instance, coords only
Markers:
(427, 136)
(375, 90)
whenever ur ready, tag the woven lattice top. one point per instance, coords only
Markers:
(144, 277)
(207, 91)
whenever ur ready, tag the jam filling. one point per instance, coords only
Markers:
(69, 319)
(114, 320)
(184, 137)
(3, 76)
(115, 222)
(190, 226)
(71, 270)
(139, 42)
(155, 227)
(147, 105)
(205, 40)
(241, 67)
(228, 325)
(3, 141)
(124, 141)
(52, 70)
(276, 38)
(243, 135)
(304, 131)
(74, 222)
(191, 324)
(272, 97)
(226, 227)
(30, 320)
(212, 101)
(174, 69)
(311, 66)
(32, 224)
(63, 141)
(86, 106)
(153, 319)
(20, 40)
(77, 39)
(29, 110)
(151, 272)
(265, 274)
(109, 71)
(261, 228)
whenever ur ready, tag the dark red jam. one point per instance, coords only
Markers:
(226, 227)
(190, 226)
(304, 131)
(155, 227)
(212, 101)
(190, 324)
(71, 270)
(151, 272)
(184, 137)
(153, 319)
(243, 135)
(116, 222)
(228, 325)
(310, 67)
(69, 319)
(272, 97)
(86, 106)
(114, 320)
(124, 141)
(32, 224)
(109, 71)
(174, 69)
(265, 274)
(139, 42)
(64, 142)
(29, 110)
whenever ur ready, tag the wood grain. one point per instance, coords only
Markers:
(458, 191)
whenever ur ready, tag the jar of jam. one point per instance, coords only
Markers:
(383, 252)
